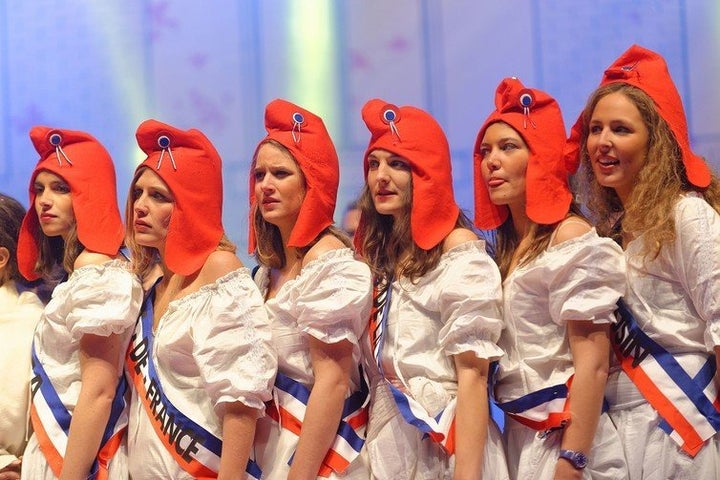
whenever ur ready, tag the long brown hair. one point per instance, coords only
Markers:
(388, 246)
(54, 251)
(650, 208)
(269, 248)
(144, 258)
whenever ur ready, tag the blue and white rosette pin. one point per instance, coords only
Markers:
(163, 142)
(55, 140)
(526, 99)
(298, 121)
(391, 115)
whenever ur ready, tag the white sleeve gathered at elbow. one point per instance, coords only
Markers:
(471, 303)
(233, 343)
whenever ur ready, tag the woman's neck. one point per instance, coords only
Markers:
(521, 222)
(291, 269)
(292, 254)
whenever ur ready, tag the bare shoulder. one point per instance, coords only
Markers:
(327, 243)
(218, 264)
(87, 257)
(571, 227)
(458, 237)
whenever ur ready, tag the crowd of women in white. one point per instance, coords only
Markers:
(594, 326)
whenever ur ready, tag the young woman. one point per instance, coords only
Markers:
(436, 313)
(19, 313)
(317, 297)
(78, 408)
(561, 282)
(200, 360)
(654, 196)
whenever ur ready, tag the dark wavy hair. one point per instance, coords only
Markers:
(11, 217)
(388, 246)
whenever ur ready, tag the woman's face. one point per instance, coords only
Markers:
(504, 159)
(53, 205)
(279, 186)
(389, 181)
(617, 143)
(153, 205)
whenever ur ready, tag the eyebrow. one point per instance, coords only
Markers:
(390, 157)
(53, 183)
(504, 139)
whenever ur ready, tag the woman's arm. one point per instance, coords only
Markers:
(332, 364)
(590, 348)
(717, 367)
(238, 433)
(99, 360)
(471, 415)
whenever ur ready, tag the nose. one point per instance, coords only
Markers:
(381, 174)
(604, 139)
(492, 159)
(140, 206)
(266, 184)
(44, 199)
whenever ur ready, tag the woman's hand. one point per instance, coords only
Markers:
(565, 471)
(11, 471)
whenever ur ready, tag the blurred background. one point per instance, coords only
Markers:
(104, 66)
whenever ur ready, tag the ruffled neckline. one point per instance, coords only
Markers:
(208, 288)
(322, 259)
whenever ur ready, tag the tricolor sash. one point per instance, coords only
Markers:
(544, 410)
(290, 399)
(689, 406)
(51, 422)
(441, 427)
(196, 450)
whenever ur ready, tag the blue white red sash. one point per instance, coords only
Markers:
(544, 410)
(441, 427)
(689, 406)
(290, 399)
(196, 450)
(51, 422)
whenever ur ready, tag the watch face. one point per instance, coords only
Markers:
(578, 459)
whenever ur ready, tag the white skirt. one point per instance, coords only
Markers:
(651, 454)
(397, 450)
(274, 446)
(533, 458)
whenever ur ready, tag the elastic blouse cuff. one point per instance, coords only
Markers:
(249, 400)
(483, 349)
(329, 337)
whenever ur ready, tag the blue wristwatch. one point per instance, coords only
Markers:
(578, 459)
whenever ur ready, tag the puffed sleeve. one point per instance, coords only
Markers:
(335, 294)
(104, 299)
(697, 250)
(232, 343)
(470, 302)
(586, 278)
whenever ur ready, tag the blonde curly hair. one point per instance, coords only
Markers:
(662, 179)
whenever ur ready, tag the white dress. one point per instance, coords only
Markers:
(96, 299)
(452, 309)
(675, 299)
(19, 313)
(330, 301)
(210, 348)
(579, 279)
